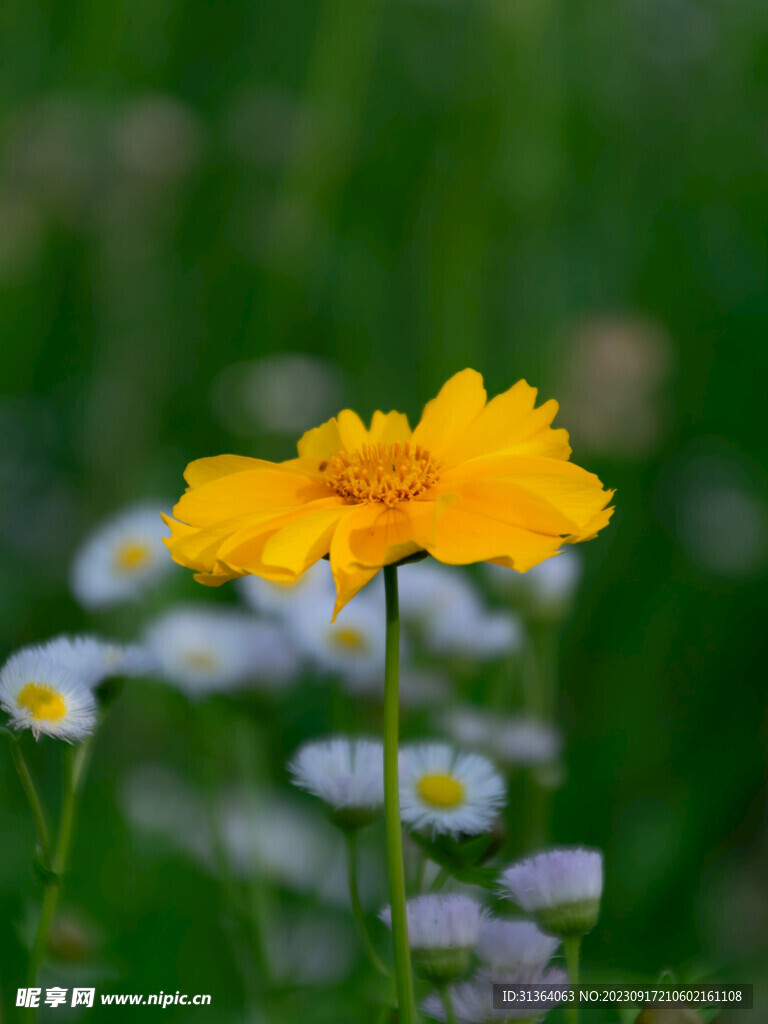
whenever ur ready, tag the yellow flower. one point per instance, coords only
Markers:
(474, 481)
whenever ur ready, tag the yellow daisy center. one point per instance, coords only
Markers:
(132, 555)
(203, 661)
(349, 639)
(387, 473)
(440, 790)
(42, 701)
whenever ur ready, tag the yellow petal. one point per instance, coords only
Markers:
(465, 536)
(448, 416)
(243, 550)
(348, 581)
(321, 442)
(376, 535)
(351, 430)
(386, 428)
(508, 421)
(299, 544)
(252, 491)
(507, 501)
(202, 470)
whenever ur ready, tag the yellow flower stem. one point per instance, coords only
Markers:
(394, 837)
(35, 804)
(572, 945)
(357, 910)
(75, 760)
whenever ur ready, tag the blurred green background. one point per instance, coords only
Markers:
(568, 192)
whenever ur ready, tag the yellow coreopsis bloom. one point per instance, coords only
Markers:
(474, 481)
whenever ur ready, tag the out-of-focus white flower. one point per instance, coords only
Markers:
(352, 646)
(440, 921)
(315, 586)
(562, 887)
(472, 1001)
(516, 741)
(443, 790)
(46, 697)
(348, 774)
(284, 393)
(161, 803)
(122, 558)
(547, 590)
(274, 837)
(442, 931)
(717, 510)
(310, 947)
(509, 945)
(450, 615)
(158, 136)
(92, 659)
(207, 649)
(616, 369)
(418, 687)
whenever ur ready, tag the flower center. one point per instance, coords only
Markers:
(441, 790)
(349, 639)
(388, 473)
(202, 661)
(42, 702)
(131, 555)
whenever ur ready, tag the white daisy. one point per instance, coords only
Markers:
(475, 633)
(562, 887)
(450, 616)
(440, 921)
(472, 1001)
(443, 790)
(442, 931)
(122, 558)
(352, 646)
(269, 835)
(207, 649)
(46, 697)
(508, 945)
(547, 590)
(92, 659)
(517, 741)
(315, 586)
(348, 774)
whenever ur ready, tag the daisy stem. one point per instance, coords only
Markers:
(394, 837)
(572, 945)
(35, 805)
(75, 760)
(445, 995)
(357, 909)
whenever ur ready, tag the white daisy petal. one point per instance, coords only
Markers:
(443, 790)
(92, 659)
(352, 646)
(562, 887)
(122, 558)
(508, 945)
(346, 773)
(46, 697)
(315, 586)
(440, 921)
(208, 649)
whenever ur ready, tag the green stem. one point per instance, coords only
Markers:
(440, 879)
(572, 945)
(35, 805)
(445, 995)
(74, 764)
(357, 909)
(394, 838)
